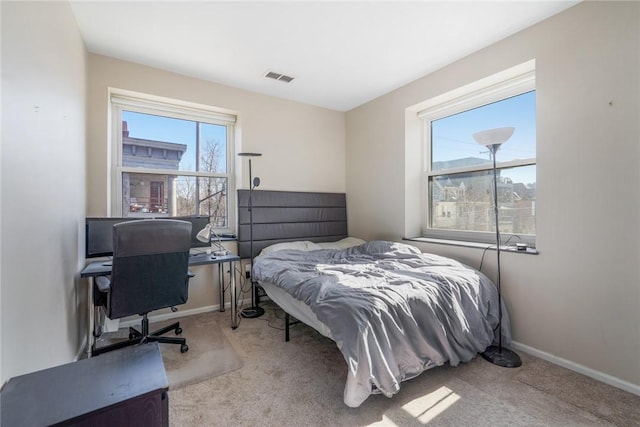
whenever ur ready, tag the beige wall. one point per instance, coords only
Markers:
(43, 186)
(302, 146)
(578, 302)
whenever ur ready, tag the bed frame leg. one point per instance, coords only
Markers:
(286, 326)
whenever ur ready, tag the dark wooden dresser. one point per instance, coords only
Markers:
(126, 387)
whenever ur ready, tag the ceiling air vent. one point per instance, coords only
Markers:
(280, 77)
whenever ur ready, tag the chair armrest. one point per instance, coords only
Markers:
(103, 283)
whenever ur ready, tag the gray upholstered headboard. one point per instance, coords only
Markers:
(286, 216)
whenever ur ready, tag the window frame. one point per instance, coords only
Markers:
(123, 100)
(512, 82)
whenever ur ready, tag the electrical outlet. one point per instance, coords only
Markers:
(247, 271)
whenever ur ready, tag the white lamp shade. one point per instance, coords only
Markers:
(493, 136)
(204, 235)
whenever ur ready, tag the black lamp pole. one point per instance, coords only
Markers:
(498, 355)
(254, 310)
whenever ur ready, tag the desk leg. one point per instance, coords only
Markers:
(90, 313)
(221, 284)
(232, 287)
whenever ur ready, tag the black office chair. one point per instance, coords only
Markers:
(150, 271)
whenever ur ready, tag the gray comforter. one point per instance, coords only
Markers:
(392, 310)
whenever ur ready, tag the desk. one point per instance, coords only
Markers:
(103, 268)
(126, 387)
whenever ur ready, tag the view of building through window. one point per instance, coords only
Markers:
(174, 167)
(464, 201)
(460, 180)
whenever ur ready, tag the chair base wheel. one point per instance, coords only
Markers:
(178, 331)
(184, 348)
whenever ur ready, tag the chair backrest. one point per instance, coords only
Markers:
(150, 266)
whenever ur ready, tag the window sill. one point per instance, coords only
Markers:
(505, 248)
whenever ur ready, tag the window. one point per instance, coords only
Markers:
(171, 159)
(458, 196)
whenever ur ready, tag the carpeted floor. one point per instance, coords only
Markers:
(210, 352)
(300, 383)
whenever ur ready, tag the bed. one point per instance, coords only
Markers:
(392, 310)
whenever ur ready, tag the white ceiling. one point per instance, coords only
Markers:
(342, 54)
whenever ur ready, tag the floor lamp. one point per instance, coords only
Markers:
(254, 310)
(492, 139)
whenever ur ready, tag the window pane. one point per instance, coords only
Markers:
(159, 142)
(465, 201)
(452, 143)
(213, 148)
(213, 200)
(152, 195)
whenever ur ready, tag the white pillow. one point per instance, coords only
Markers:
(299, 245)
(345, 243)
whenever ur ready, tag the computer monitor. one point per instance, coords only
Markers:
(99, 233)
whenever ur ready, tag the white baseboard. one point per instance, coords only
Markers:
(177, 314)
(600, 376)
(170, 316)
